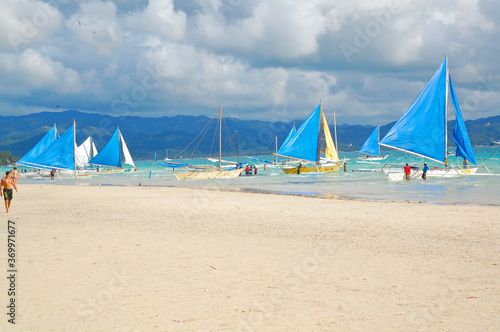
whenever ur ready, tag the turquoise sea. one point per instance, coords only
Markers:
(472, 189)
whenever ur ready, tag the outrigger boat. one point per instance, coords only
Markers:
(110, 155)
(304, 145)
(422, 131)
(58, 153)
(203, 172)
(372, 148)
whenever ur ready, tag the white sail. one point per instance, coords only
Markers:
(126, 153)
(94, 150)
(83, 153)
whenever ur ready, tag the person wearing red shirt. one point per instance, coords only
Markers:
(407, 172)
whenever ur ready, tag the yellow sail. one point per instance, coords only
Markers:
(330, 151)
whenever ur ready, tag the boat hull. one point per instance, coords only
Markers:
(451, 171)
(208, 174)
(399, 175)
(108, 171)
(309, 169)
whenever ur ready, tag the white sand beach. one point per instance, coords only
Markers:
(175, 259)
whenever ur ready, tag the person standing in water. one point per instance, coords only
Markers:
(407, 172)
(425, 169)
(6, 189)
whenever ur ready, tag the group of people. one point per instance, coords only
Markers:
(408, 171)
(251, 169)
(8, 183)
(426, 169)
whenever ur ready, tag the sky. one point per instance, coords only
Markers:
(271, 60)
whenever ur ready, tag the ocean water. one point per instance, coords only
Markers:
(482, 188)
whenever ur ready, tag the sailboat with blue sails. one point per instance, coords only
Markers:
(110, 155)
(371, 147)
(56, 152)
(304, 145)
(422, 130)
(30, 158)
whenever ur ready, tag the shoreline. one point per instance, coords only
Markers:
(298, 193)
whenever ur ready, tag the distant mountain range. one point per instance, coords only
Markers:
(145, 136)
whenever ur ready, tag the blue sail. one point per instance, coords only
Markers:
(31, 157)
(304, 144)
(60, 154)
(421, 130)
(290, 135)
(371, 144)
(110, 154)
(460, 136)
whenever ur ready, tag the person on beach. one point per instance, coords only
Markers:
(298, 168)
(407, 172)
(255, 170)
(6, 189)
(15, 174)
(247, 170)
(52, 174)
(425, 169)
(345, 167)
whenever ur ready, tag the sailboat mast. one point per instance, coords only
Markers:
(446, 111)
(55, 132)
(220, 136)
(237, 156)
(378, 126)
(319, 134)
(120, 147)
(276, 147)
(335, 129)
(74, 145)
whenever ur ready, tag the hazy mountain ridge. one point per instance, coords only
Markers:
(144, 136)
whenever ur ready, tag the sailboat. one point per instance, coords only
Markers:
(304, 146)
(422, 129)
(208, 172)
(30, 158)
(371, 147)
(167, 159)
(85, 152)
(110, 155)
(60, 154)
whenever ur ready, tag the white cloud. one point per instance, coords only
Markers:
(26, 23)
(158, 18)
(279, 28)
(96, 25)
(31, 71)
